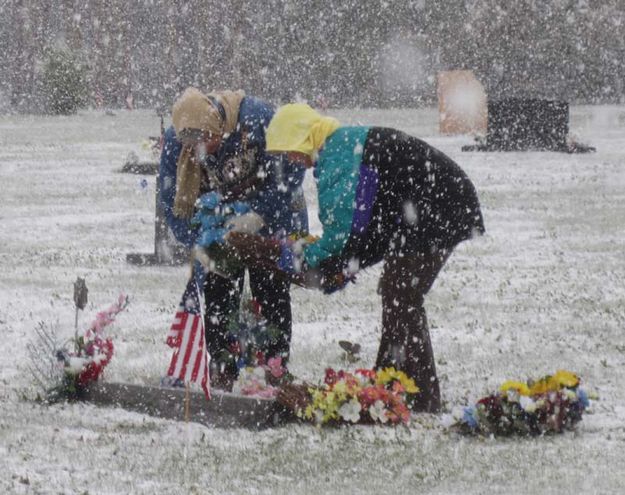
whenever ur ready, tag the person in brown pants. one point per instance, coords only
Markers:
(383, 196)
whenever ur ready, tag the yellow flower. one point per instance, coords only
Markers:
(519, 387)
(563, 378)
(552, 383)
(540, 387)
(387, 375)
(409, 385)
(308, 412)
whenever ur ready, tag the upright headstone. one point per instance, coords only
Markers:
(167, 250)
(461, 103)
(528, 124)
(523, 124)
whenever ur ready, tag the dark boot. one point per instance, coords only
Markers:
(420, 366)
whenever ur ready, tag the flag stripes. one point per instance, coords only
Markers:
(189, 361)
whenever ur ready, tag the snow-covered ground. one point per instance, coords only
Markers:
(542, 290)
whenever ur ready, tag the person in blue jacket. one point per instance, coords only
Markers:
(383, 196)
(216, 150)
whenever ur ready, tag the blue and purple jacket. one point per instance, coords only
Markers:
(346, 190)
(380, 189)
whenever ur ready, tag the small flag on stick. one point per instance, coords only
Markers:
(189, 362)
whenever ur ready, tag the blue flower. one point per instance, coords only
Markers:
(582, 396)
(470, 417)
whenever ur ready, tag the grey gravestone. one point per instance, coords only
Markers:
(224, 410)
(167, 250)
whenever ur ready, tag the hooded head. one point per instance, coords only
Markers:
(200, 122)
(296, 127)
(215, 113)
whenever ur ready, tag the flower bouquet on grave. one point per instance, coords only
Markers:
(214, 220)
(551, 404)
(248, 358)
(365, 396)
(63, 371)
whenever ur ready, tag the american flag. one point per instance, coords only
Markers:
(189, 362)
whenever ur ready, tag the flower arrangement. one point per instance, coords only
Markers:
(250, 339)
(90, 355)
(365, 396)
(551, 404)
(263, 380)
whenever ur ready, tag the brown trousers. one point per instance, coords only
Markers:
(405, 343)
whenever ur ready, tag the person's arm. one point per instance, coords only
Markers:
(181, 228)
(275, 200)
(335, 214)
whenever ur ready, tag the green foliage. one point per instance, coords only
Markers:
(64, 83)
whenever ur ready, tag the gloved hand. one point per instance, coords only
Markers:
(237, 208)
(210, 220)
(209, 201)
(249, 223)
(207, 220)
(335, 282)
(210, 236)
(239, 217)
(334, 275)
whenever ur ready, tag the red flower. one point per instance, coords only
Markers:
(369, 374)
(331, 377)
(368, 395)
(397, 387)
(101, 351)
(90, 373)
(493, 407)
(398, 412)
(257, 309)
(235, 347)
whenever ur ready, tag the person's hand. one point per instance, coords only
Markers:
(237, 208)
(207, 220)
(334, 275)
(210, 219)
(210, 236)
(331, 283)
(209, 201)
(249, 223)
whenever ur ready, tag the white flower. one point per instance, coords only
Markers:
(528, 404)
(570, 394)
(513, 395)
(259, 374)
(378, 412)
(318, 416)
(76, 365)
(350, 411)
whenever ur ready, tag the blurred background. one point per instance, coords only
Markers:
(60, 55)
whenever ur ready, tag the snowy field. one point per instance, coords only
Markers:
(544, 289)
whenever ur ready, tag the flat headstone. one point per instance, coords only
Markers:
(223, 410)
(140, 168)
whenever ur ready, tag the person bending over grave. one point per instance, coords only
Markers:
(384, 196)
(215, 150)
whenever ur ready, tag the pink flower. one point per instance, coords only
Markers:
(275, 367)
